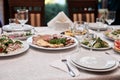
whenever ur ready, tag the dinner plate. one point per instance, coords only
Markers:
(29, 41)
(96, 70)
(94, 26)
(95, 62)
(110, 36)
(24, 48)
(17, 27)
(18, 35)
(85, 46)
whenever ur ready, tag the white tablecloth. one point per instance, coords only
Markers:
(35, 65)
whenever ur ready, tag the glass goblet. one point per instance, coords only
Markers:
(99, 22)
(110, 17)
(79, 31)
(22, 16)
(91, 38)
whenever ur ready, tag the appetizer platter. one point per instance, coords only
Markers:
(52, 42)
(112, 34)
(10, 47)
(99, 44)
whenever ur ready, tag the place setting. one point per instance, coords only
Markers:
(93, 62)
(18, 23)
(87, 60)
(17, 27)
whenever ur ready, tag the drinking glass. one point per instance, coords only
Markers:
(79, 30)
(91, 38)
(110, 17)
(99, 21)
(12, 22)
(22, 16)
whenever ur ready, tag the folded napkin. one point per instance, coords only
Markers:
(58, 64)
(60, 22)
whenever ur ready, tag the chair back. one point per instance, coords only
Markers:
(83, 10)
(35, 8)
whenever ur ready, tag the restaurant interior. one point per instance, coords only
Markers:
(59, 39)
(48, 6)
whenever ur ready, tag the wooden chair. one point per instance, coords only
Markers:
(35, 7)
(83, 10)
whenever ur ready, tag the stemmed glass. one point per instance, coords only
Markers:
(22, 16)
(91, 38)
(79, 30)
(110, 17)
(99, 21)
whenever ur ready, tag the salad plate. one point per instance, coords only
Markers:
(17, 27)
(99, 44)
(112, 34)
(51, 42)
(24, 47)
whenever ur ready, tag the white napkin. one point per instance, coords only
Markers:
(58, 64)
(60, 22)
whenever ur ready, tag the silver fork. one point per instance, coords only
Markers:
(69, 69)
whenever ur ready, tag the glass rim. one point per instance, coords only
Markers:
(24, 10)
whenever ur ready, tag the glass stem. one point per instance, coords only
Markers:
(22, 25)
(91, 47)
(78, 46)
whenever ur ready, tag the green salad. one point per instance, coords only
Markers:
(99, 43)
(58, 41)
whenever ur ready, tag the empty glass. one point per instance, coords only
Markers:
(91, 38)
(99, 21)
(110, 17)
(12, 21)
(22, 16)
(79, 31)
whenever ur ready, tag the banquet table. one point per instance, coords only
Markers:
(34, 64)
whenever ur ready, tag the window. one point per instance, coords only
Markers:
(53, 7)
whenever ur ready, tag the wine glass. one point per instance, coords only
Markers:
(79, 30)
(91, 38)
(22, 16)
(110, 17)
(99, 21)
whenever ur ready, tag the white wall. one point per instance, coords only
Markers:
(1, 11)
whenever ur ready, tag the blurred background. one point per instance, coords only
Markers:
(53, 7)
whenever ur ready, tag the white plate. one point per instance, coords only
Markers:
(17, 27)
(110, 46)
(29, 40)
(94, 62)
(96, 70)
(18, 51)
(110, 36)
(94, 26)
(18, 37)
